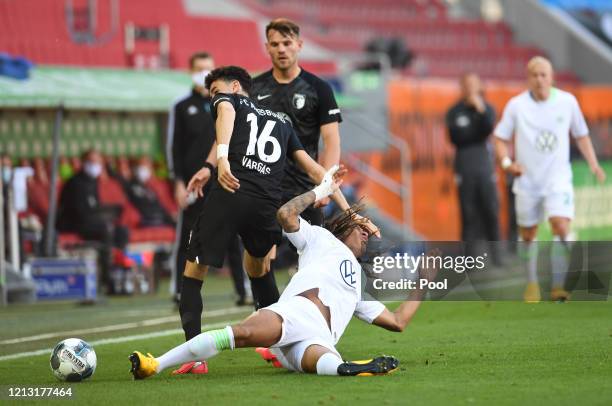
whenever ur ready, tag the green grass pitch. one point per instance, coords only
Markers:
(489, 353)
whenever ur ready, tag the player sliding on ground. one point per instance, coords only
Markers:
(304, 326)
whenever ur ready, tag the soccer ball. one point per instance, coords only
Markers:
(73, 360)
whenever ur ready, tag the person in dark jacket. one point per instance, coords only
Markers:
(81, 212)
(470, 123)
(143, 198)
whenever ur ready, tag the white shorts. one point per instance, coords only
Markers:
(531, 209)
(303, 326)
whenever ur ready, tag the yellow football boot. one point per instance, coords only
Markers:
(532, 293)
(377, 366)
(558, 294)
(143, 366)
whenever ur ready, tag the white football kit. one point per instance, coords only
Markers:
(542, 147)
(327, 264)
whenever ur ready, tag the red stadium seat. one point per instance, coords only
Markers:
(163, 190)
(39, 31)
(152, 234)
(111, 192)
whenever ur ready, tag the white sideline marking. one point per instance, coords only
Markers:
(116, 340)
(116, 327)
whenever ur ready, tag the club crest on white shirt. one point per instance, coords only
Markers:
(348, 273)
(546, 141)
(299, 100)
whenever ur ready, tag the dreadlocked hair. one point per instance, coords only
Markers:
(342, 224)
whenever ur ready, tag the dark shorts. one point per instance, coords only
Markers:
(189, 217)
(226, 214)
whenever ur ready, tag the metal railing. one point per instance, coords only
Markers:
(402, 188)
(373, 126)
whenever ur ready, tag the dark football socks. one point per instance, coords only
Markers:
(190, 307)
(264, 289)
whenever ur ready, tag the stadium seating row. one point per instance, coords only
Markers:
(421, 34)
(39, 31)
(110, 192)
(386, 9)
(443, 47)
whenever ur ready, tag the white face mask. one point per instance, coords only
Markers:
(199, 78)
(143, 173)
(92, 169)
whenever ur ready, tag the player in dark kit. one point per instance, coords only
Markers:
(252, 145)
(307, 100)
(310, 104)
(190, 143)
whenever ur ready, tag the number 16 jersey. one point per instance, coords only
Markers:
(261, 140)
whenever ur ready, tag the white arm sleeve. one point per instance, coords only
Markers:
(368, 310)
(505, 128)
(578, 125)
(302, 237)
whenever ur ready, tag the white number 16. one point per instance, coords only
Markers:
(264, 138)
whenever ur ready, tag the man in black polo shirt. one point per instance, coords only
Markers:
(309, 103)
(470, 122)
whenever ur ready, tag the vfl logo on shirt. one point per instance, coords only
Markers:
(299, 100)
(191, 110)
(546, 141)
(348, 273)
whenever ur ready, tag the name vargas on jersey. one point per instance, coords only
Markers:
(253, 165)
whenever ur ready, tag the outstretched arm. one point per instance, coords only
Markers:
(330, 155)
(316, 173)
(201, 177)
(224, 126)
(288, 214)
(401, 317)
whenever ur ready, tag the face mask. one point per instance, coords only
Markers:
(92, 169)
(143, 173)
(199, 78)
(6, 174)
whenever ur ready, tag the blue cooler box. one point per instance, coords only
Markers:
(64, 279)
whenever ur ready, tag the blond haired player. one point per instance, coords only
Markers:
(541, 120)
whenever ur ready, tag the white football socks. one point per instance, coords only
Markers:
(328, 364)
(528, 252)
(559, 260)
(200, 348)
